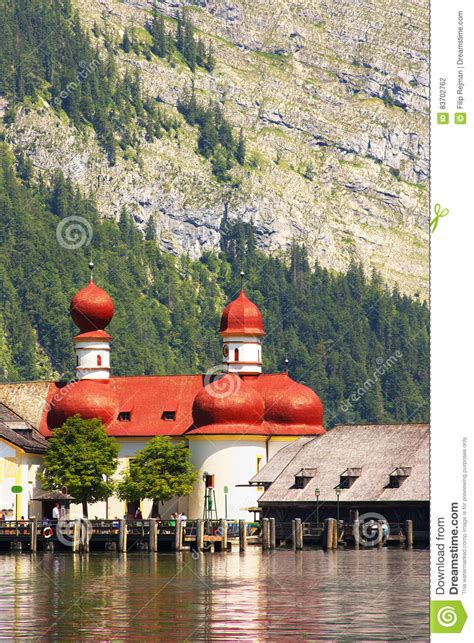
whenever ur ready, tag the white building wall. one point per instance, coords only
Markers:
(233, 460)
(87, 354)
(276, 443)
(249, 354)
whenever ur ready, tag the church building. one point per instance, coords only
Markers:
(233, 421)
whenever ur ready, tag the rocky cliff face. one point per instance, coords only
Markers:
(333, 101)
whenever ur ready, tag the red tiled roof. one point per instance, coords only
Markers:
(91, 308)
(147, 398)
(241, 317)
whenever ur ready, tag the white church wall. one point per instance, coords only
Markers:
(233, 460)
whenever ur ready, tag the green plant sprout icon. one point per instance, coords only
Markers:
(439, 214)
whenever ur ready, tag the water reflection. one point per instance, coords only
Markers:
(315, 595)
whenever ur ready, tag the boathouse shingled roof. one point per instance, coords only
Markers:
(377, 450)
(280, 460)
(20, 433)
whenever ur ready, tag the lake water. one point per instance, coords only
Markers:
(364, 595)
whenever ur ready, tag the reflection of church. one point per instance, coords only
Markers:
(233, 422)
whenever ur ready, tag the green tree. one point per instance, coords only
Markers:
(240, 151)
(126, 42)
(81, 457)
(211, 59)
(160, 471)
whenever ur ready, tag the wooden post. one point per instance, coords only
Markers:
(33, 534)
(356, 532)
(328, 533)
(223, 532)
(84, 535)
(335, 536)
(272, 533)
(242, 535)
(265, 534)
(200, 535)
(76, 535)
(380, 542)
(153, 535)
(178, 535)
(122, 535)
(299, 532)
(409, 532)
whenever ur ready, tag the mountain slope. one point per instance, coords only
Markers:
(332, 99)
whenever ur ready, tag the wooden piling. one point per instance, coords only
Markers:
(223, 532)
(380, 542)
(153, 535)
(200, 535)
(178, 536)
(76, 535)
(122, 535)
(33, 534)
(84, 535)
(335, 536)
(242, 535)
(272, 533)
(329, 533)
(356, 532)
(409, 532)
(297, 534)
(265, 534)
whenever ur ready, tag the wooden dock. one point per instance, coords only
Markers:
(125, 535)
(199, 536)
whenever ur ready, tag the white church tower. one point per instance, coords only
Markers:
(241, 330)
(92, 309)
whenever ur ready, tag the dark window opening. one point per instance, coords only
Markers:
(124, 416)
(303, 477)
(236, 355)
(348, 477)
(168, 415)
(398, 477)
(77, 360)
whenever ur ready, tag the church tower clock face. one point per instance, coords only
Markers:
(225, 350)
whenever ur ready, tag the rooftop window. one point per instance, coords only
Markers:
(303, 477)
(398, 477)
(168, 415)
(124, 416)
(348, 477)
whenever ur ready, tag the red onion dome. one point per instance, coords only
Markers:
(91, 308)
(228, 400)
(288, 402)
(87, 398)
(241, 317)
